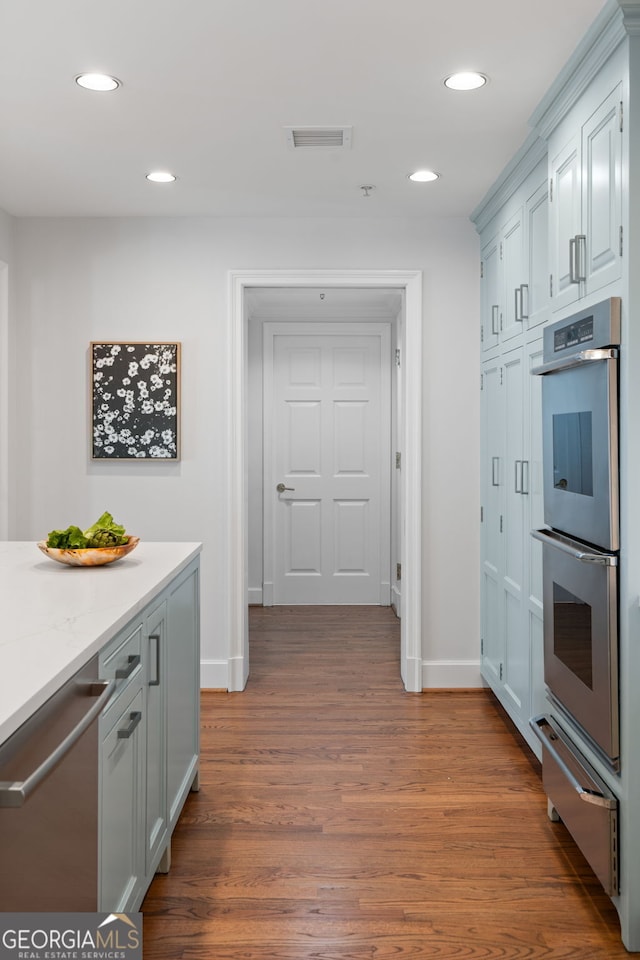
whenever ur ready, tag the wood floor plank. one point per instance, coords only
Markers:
(340, 818)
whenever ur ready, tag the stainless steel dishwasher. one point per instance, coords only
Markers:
(49, 801)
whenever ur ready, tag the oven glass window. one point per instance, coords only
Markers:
(572, 640)
(572, 452)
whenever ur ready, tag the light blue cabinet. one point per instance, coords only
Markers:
(183, 703)
(121, 860)
(155, 641)
(149, 740)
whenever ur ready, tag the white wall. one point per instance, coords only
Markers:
(6, 258)
(79, 280)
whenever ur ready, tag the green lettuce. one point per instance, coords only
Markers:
(70, 539)
(105, 532)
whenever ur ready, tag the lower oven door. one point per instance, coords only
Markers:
(586, 806)
(581, 636)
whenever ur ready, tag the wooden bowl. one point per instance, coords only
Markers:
(89, 556)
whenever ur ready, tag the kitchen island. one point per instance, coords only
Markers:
(127, 632)
(56, 617)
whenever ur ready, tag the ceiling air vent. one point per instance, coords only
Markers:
(319, 137)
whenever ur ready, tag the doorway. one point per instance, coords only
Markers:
(320, 418)
(410, 359)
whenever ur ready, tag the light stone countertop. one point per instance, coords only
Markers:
(54, 617)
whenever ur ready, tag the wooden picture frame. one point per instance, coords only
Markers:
(135, 400)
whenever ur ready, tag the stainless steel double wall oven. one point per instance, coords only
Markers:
(580, 575)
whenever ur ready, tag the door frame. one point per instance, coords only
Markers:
(410, 281)
(4, 400)
(372, 328)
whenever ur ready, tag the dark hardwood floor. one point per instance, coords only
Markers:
(340, 818)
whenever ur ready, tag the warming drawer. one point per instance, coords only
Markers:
(585, 804)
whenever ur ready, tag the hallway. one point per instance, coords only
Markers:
(340, 818)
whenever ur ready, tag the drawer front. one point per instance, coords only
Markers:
(121, 660)
(586, 806)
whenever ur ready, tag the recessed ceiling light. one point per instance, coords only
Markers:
(465, 81)
(423, 176)
(97, 81)
(161, 176)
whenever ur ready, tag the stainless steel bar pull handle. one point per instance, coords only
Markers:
(156, 638)
(581, 257)
(524, 486)
(573, 274)
(518, 305)
(494, 319)
(518, 466)
(15, 794)
(577, 258)
(281, 488)
(495, 477)
(134, 719)
(524, 298)
(565, 545)
(132, 662)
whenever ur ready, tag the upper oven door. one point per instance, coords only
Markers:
(580, 446)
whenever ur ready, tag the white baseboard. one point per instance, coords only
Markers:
(255, 596)
(396, 601)
(451, 674)
(214, 675)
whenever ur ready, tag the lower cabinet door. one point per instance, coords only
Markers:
(122, 805)
(156, 834)
(183, 692)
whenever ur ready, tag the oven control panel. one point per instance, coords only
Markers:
(574, 334)
(592, 328)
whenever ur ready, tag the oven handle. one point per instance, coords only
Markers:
(606, 559)
(576, 360)
(589, 796)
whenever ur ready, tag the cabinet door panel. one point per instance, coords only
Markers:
(121, 801)
(513, 274)
(516, 671)
(536, 298)
(492, 539)
(183, 702)
(156, 779)
(565, 221)
(515, 473)
(602, 214)
(533, 456)
(490, 307)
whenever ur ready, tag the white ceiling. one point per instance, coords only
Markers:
(208, 87)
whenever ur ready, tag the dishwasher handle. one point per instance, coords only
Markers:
(16, 793)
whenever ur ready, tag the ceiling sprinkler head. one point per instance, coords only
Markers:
(366, 189)
(322, 296)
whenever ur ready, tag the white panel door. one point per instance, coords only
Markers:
(602, 200)
(566, 222)
(327, 397)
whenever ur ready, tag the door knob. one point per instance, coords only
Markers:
(281, 488)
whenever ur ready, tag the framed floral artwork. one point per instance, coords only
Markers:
(135, 401)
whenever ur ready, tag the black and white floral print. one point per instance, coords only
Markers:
(135, 401)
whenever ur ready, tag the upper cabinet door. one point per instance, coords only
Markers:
(586, 205)
(536, 292)
(491, 306)
(513, 296)
(565, 224)
(602, 192)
